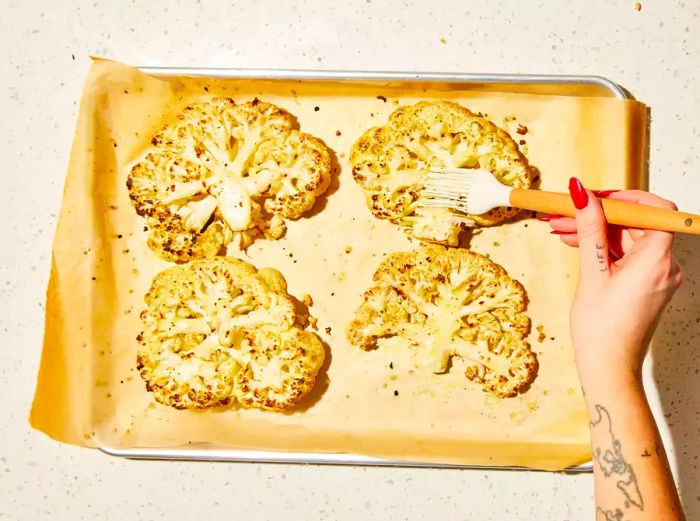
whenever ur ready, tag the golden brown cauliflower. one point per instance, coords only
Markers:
(223, 172)
(390, 163)
(218, 332)
(446, 302)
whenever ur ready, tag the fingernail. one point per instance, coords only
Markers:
(559, 232)
(546, 218)
(602, 194)
(578, 193)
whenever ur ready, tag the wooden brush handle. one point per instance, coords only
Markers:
(616, 212)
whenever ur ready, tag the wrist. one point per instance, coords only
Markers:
(610, 383)
(609, 364)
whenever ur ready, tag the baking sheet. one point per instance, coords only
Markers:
(89, 393)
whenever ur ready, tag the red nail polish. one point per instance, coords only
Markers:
(559, 232)
(602, 194)
(578, 193)
(546, 218)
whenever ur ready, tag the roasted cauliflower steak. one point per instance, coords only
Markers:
(226, 172)
(450, 302)
(220, 332)
(390, 164)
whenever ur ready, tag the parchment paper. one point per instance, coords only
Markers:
(89, 392)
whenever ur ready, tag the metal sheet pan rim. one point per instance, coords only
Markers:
(250, 456)
(313, 458)
(349, 75)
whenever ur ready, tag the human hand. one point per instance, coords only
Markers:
(626, 278)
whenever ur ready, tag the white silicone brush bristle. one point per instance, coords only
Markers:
(467, 190)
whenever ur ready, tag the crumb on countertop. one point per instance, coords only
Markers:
(443, 41)
(637, 6)
(522, 129)
(328, 330)
(348, 249)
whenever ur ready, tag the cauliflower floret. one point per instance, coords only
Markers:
(219, 332)
(390, 163)
(385, 312)
(448, 302)
(281, 368)
(240, 170)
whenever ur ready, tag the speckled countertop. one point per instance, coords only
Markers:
(654, 52)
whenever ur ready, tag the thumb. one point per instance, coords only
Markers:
(591, 228)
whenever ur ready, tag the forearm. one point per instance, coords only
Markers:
(633, 481)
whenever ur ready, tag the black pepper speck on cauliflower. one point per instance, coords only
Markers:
(449, 302)
(226, 172)
(391, 162)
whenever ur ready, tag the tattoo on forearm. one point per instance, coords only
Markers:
(607, 454)
(602, 258)
(609, 515)
(657, 451)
